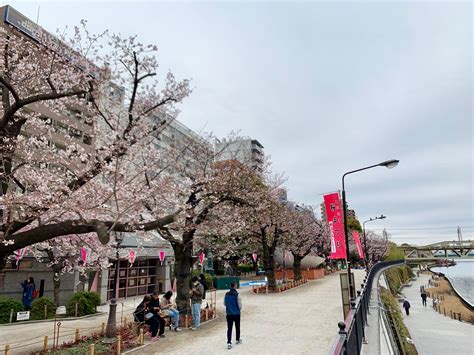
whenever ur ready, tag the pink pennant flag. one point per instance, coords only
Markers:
(355, 235)
(132, 256)
(19, 254)
(162, 256)
(201, 257)
(84, 255)
(254, 257)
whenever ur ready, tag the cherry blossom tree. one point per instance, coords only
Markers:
(377, 247)
(54, 192)
(306, 236)
(63, 255)
(203, 188)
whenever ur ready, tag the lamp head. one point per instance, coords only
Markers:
(390, 164)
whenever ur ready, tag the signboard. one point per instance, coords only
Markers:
(21, 23)
(332, 203)
(61, 310)
(23, 315)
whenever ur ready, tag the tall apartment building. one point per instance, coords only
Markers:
(246, 150)
(350, 213)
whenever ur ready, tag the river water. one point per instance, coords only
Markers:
(461, 276)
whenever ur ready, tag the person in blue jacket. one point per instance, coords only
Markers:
(28, 293)
(233, 306)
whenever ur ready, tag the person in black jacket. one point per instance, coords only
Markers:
(155, 308)
(233, 307)
(143, 314)
(407, 306)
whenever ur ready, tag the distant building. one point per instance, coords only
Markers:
(350, 213)
(246, 150)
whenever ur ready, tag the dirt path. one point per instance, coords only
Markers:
(299, 321)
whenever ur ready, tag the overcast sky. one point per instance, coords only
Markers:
(326, 87)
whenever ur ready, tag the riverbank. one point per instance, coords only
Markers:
(447, 301)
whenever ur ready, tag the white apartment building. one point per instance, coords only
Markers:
(246, 150)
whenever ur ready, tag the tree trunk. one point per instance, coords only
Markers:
(297, 266)
(182, 270)
(57, 287)
(269, 264)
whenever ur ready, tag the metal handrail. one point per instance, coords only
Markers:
(352, 329)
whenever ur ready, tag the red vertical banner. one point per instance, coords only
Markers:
(355, 235)
(332, 202)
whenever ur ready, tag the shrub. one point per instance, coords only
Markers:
(86, 303)
(7, 304)
(37, 309)
(245, 268)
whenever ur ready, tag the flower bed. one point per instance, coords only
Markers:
(279, 288)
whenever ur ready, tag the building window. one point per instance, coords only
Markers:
(138, 279)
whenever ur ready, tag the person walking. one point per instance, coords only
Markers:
(143, 314)
(155, 308)
(169, 309)
(423, 297)
(233, 307)
(407, 306)
(196, 292)
(29, 289)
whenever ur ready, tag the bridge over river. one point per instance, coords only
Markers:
(433, 252)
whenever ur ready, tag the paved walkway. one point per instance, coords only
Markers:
(376, 334)
(433, 333)
(302, 320)
(299, 321)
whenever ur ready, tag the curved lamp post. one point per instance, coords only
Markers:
(388, 164)
(365, 237)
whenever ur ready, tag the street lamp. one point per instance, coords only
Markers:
(390, 164)
(365, 237)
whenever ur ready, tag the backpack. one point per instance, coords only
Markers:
(35, 293)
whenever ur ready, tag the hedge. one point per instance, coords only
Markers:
(86, 304)
(7, 304)
(209, 278)
(37, 309)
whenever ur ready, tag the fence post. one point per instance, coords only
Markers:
(7, 349)
(75, 310)
(118, 344)
(186, 319)
(102, 330)
(77, 336)
(45, 311)
(207, 314)
(45, 344)
(92, 349)
(11, 315)
(125, 321)
(140, 337)
(121, 316)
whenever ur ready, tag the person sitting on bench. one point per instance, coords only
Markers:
(155, 308)
(169, 309)
(143, 315)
